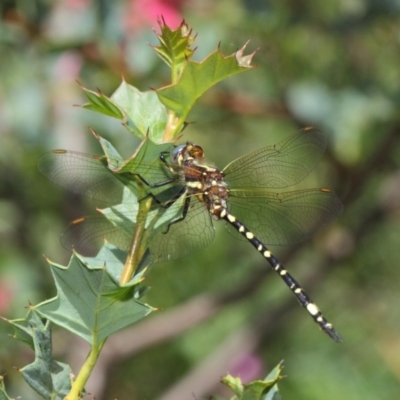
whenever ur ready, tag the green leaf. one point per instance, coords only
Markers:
(146, 160)
(274, 376)
(49, 378)
(174, 48)
(98, 102)
(144, 114)
(114, 160)
(273, 394)
(146, 163)
(22, 330)
(196, 78)
(89, 301)
(266, 389)
(3, 394)
(235, 384)
(124, 215)
(141, 112)
(114, 258)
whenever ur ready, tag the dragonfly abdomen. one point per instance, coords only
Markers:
(293, 285)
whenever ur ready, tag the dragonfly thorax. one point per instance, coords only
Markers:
(202, 180)
(209, 186)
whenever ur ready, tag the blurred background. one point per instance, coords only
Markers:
(335, 65)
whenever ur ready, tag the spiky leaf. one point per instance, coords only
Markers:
(49, 378)
(89, 300)
(266, 389)
(145, 162)
(197, 77)
(141, 112)
(99, 102)
(144, 113)
(175, 45)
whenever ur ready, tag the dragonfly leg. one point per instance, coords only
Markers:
(181, 218)
(154, 185)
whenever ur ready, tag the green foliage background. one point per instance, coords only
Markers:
(332, 64)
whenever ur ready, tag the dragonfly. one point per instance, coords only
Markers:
(247, 194)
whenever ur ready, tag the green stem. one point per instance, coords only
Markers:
(83, 376)
(170, 128)
(174, 73)
(174, 124)
(135, 254)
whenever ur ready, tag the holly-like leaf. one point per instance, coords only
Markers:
(125, 216)
(274, 376)
(175, 46)
(89, 300)
(49, 378)
(114, 159)
(197, 77)
(234, 383)
(144, 113)
(266, 389)
(272, 394)
(146, 161)
(99, 102)
(141, 112)
(22, 330)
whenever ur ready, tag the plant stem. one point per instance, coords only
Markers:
(84, 374)
(172, 128)
(135, 253)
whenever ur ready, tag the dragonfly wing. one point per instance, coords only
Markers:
(284, 218)
(81, 173)
(193, 233)
(278, 166)
(87, 235)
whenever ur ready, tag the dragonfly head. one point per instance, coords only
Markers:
(185, 152)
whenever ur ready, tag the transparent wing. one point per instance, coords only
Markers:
(86, 235)
(192, 234)
(88, 174)
(284, 218)
(81, 173)
(278, 166)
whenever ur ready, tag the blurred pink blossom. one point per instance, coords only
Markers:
(78, 4)
(142, 13)
(6, 295)
(248, 367)
(68, 66)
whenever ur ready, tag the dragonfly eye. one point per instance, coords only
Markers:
(178, 154)
(185, 152)
(195, 151)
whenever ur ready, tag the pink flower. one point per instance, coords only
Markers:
(68, 65)
(78, 4)
(6, 295)
(248, 367)
(142, 13)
